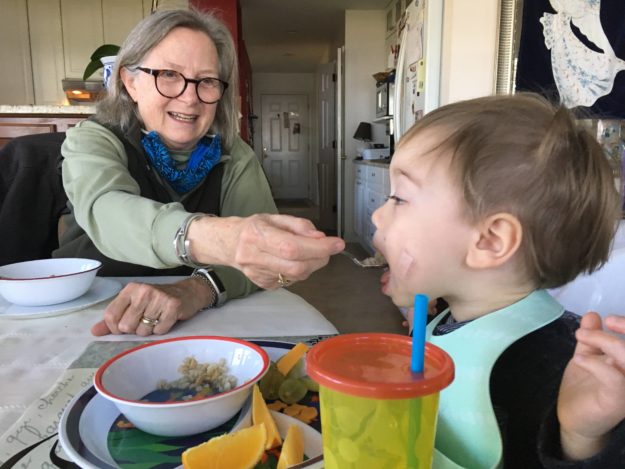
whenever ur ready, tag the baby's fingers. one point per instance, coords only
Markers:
(590, 322)
(616, 323)
(603, 370)
(602, 344)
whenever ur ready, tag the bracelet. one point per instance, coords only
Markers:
(213, 301)
(181, 243)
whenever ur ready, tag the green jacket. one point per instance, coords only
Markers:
(105, 202)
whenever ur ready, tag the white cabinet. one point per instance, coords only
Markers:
(372, 185)
(82, 33)
(15, 66)
(46, 48)
(359, 199)
(44, 41)
(107, 21)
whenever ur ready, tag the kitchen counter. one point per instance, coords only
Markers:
(39, 109)
(382, 163)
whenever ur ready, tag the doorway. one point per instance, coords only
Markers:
(326, 167)
(285, 140)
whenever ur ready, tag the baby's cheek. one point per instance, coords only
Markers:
(406, 263)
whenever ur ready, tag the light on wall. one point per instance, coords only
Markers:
(82, 91)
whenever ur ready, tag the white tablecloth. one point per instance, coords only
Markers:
(34, 353)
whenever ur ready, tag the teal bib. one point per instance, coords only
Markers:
(467, 433)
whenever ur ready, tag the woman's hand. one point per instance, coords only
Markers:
(263, 246)
(591, 401)
(162, 305)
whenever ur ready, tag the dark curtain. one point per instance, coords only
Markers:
(534, 72)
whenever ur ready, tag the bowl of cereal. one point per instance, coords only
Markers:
(183, 385)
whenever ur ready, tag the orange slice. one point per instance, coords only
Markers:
(261, 414)
(292, 448)
(289, 359)
(238, 450)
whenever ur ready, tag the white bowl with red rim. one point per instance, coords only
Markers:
(129, 376)
(46, 282)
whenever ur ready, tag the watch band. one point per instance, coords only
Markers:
(210, 277)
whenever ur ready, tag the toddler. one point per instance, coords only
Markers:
(494, 200)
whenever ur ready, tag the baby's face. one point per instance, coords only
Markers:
(421, 230)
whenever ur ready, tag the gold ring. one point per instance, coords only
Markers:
(149, 321)
(282, 281)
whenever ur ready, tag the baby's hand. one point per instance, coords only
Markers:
(591, 401)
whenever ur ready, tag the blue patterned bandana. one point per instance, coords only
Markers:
(207, 154)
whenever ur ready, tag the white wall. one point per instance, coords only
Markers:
(470, 36)
(289, 83)
(365, 33)
(469, 54)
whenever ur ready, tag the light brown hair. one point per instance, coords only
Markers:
(521, 155)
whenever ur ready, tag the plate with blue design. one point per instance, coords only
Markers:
(95, 435)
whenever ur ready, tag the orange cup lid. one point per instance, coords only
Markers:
(377, 365)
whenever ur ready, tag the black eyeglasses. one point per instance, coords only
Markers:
(172, 84)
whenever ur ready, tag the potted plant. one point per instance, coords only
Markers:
(103, 56)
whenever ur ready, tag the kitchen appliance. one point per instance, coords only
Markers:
(376, 153)
(384, 96)
(417, 73)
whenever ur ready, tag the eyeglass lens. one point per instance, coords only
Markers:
(172, 84)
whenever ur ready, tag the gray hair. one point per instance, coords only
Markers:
(118, 108)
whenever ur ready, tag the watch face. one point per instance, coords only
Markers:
(214, 280)
(220, 286)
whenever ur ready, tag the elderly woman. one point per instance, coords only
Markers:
(159, 182)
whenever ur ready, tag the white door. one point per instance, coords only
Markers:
(285, 144)
(340, 141)
(326, 167)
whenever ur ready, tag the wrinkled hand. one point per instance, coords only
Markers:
(591, 401)
(169, 303)
(263, 246)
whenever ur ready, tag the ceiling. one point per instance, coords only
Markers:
(294, 36)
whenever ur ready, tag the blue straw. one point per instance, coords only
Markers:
(420, 312)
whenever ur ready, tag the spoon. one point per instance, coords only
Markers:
(368, 263)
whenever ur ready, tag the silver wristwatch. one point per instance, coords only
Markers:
(210, 277)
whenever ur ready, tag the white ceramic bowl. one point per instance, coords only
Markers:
(128, 377)
(47, 281)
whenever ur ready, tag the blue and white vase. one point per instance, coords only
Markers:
(109, 64)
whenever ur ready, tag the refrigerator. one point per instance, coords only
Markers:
(418, 66)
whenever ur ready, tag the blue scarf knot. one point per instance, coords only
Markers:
(206, 155)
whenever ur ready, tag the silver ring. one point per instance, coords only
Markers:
(149, 321)
(282, 281)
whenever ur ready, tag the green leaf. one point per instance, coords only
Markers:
(95, 64)
(92, 67)
(104, 51)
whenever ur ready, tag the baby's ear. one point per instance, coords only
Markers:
(497, 239)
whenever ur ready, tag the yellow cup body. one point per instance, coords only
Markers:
(363, 433)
